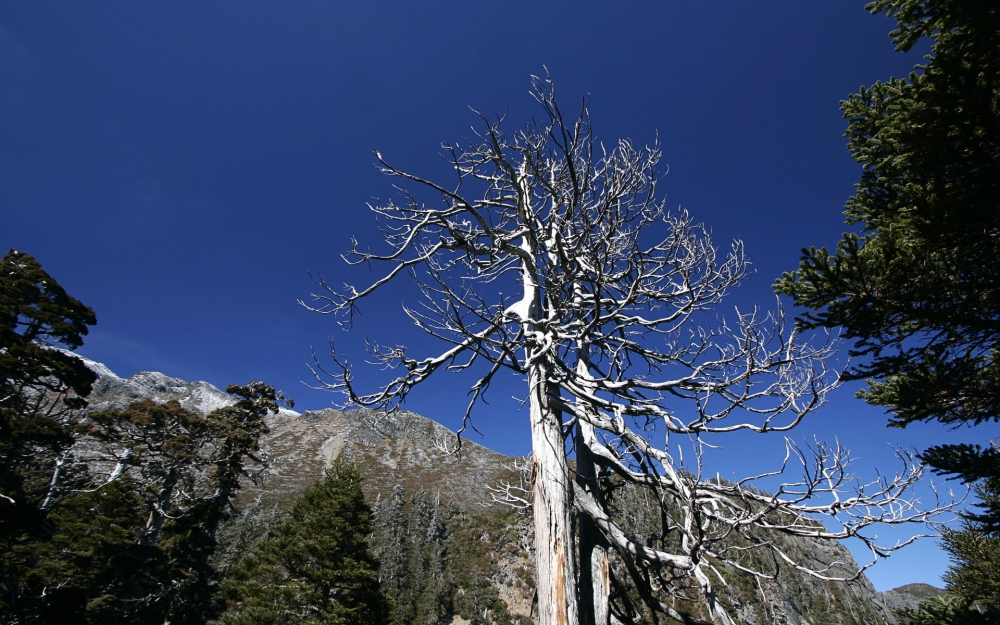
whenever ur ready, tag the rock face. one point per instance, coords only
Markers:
(402, 449)
(408, 450)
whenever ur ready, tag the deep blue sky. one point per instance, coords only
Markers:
(181, 166)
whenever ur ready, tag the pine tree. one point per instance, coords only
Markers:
(318, 568)
(944, 611)
(389, 535)
(186, 469)
(917, 289)
(82, 573)
(411, 545)
(40, 387)
(431, 594)
(436, 560)
(974, 573)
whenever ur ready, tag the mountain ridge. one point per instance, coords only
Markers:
(405, 450)
(300, 446)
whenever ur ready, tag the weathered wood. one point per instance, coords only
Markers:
(595, 582)
(551, 490)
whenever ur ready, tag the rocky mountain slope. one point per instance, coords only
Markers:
(910, 595)
(407, 453)
(402, 448)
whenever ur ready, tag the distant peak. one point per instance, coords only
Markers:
(201, 397)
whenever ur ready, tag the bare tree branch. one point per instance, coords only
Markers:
(554, 258)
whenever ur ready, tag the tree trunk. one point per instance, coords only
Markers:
(551, 490)
(54, 482)
(595, 582)
(157, 514)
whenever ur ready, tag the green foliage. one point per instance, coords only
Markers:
(945, 611)
(186, 469)
(77, 575)
(917, 290)
(35, 315)
(241, 426)
(39, 387)
(38, 384)
(411, 542)
(974, 573)
(138, 546)
(975, 570)
(241, 532)
(439, 561)
(318, 568)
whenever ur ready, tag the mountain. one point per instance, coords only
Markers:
(910, 595)
(412, 469)
(401, 448)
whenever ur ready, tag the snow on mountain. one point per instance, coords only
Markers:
(113, 391)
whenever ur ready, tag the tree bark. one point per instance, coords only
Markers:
(157, 514)
(551, 491)
(54, 482)
(595, 582)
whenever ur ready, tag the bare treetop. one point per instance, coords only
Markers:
(560, 216)
(554, 257)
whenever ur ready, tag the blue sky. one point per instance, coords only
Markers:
(180, 167)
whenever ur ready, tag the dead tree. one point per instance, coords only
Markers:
(553, 257)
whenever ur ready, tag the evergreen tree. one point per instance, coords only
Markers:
(438, 561)
(138, 546)
(186, 470)
(945, 611)
(39, 388)
(318, 568)
(429, 593)
(974, 573)
(917, 289)
(76, 546)
(39, 385)
(242, 531)
(390, 530)
(81, 573)
(475, 542)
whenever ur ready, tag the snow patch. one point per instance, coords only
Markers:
(205, 398)
(100, 369)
